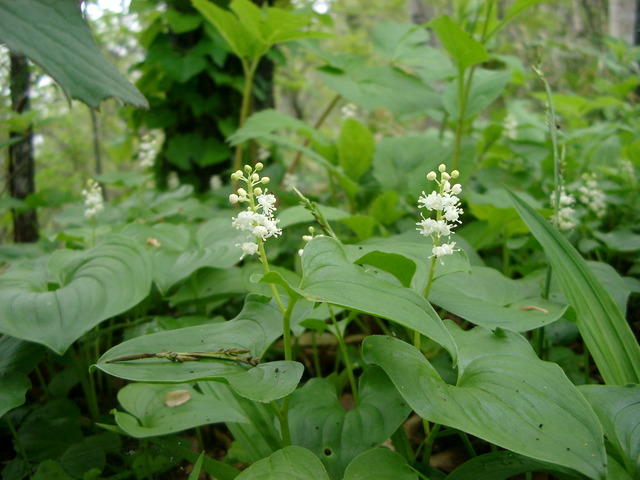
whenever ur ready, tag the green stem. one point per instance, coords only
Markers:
(345, 356)
(429, 440)
(86, 381)
(427, 290)
(282, 415)
(17, 443)
(316, 357)
(249, 72)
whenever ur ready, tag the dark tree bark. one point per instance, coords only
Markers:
(21, 163)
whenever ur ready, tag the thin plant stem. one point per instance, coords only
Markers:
(316, 357)
(18, 444)
(345, 356)
(430, 439)
(86, 382)
(318, 124)
(249, 69)
(427, 290)
(43, 383)
(282, 415)
(467, 444)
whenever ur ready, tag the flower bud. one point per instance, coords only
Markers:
(242, 192)
(257, 191)
(442, 168)
(233, 198)
(248, 169)
(259, 166)
(265, 180)
(455, 174)
(431, 176)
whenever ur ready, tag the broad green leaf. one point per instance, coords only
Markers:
(50, 429)
(604, 329)
(503, 465)
(251, 31)
(371, 87)
(90, 453)
(355, 148)
(320, 423)
(412, 269)
(463, 48)
(517, 7)
(239, 36)
(183, 250)
(329, 277)
(383, 208)
(54, 35)
(401, 163)
(292, 463)
(299, 214)
(96, 285)
(260, 125)
(487, 298)
(148, 415)
(13, 388)
(50, 470)
(504, 394)
(618, 409)
(254, 329)
(379, 464)
(486, 87)
(623, 240)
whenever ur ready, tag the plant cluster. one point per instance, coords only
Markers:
(462, 287)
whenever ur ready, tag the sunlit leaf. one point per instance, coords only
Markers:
(503, 394)
(54, 35)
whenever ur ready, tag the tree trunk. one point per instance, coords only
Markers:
(622, 19)
(21, 164)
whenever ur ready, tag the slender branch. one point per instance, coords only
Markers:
(233, 354)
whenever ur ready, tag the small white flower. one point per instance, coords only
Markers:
(93, 200)
(446, 204)
(248, 248)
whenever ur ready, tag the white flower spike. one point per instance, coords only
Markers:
(445, 203)
(257, 219)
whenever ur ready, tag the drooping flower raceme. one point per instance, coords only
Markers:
(257, 220)
(445, 203)
(93, 200)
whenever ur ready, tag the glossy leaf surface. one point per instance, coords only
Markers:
(504, 394)
(604, 329)
(94, 285)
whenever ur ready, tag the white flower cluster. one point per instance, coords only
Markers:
(258, 218)
(565, 218)
(93, 200)
(445, 202)
(591, 195)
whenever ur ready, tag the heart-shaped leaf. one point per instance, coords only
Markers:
(13, 387)
(504, 394)
(320, 423)
(292, 463)
(618, 408)
(379, 464)
(488, 298)
(180, 250)
(330, 277)
(251, 332)
(54, 35)
(147, 413)
(95, 285)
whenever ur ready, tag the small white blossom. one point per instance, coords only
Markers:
(215, 182)
(565, 219)
(93, 200)
(257, 220)
(591, 195)
(445, 202)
